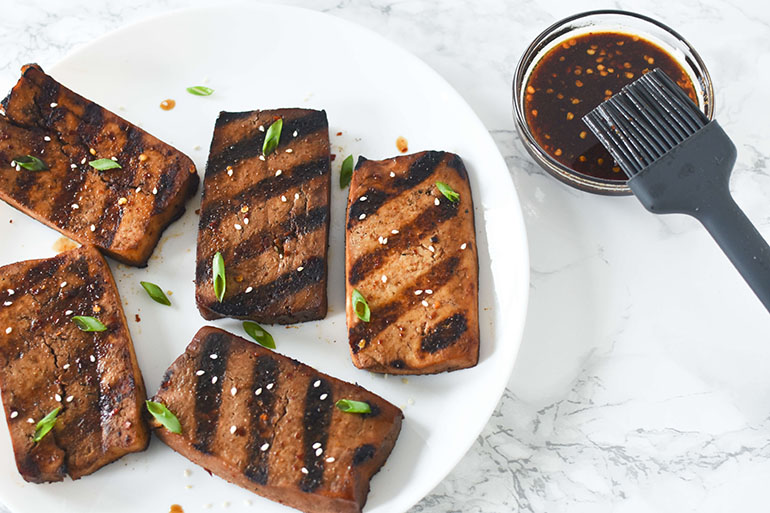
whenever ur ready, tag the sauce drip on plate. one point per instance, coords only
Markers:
(576, 76)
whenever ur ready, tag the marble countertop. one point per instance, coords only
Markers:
(640, 385)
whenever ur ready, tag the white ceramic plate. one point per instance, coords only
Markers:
(373, 91)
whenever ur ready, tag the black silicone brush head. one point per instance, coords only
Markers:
(645, 120)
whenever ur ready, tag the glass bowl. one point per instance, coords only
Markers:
(602, 21)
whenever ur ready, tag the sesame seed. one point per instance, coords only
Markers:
(57, 397)
(30, 420)
(283, 198)
(385, 240)
(14, 414)
(379, 239)
(279, 172)
(270, 386)
(92, 358)
(317, 383)
(258, 391)
(323, 396)
(362, 198)
(238, 227)
(244, 209)
(303, 470)
(122, 201)
(464, 245)
(138, 189)
(200, 372)
(93, 228)
(114, 159)
(245, 220)
(92, 151)
(10, 292)
(54, 105)
(319, 451)
(66, 366)
(431, 249)
(70, 398)
(418, 292)
(73, 166)
(316, 445)
(289, 150)
(18, 167)
(249, 289)
(424, 303)
(142, 157)
(68, 312)
(8, 330)
(262, 157)
(300, 268)
(261, 128)
(46, 138)
(7, 303)
(187, 472)
(394, 232)
(213, 356)
(362, 217)
(296, 195)
(265, 446)
(233, 429)
(392, 174)
(214, 380)
(436, 202)
(428, 291)
(155, 190)
(63, 284)
(384, 279)
(233, 391)
(294, 134)
(330, 459)
(83, 161)
(75, 206)
(230, 172)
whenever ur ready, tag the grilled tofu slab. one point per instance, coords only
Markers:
(411, 252)
(121, 211)
(47, 362)
(269, 424)
(268, 215)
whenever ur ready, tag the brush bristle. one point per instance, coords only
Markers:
(645, 120)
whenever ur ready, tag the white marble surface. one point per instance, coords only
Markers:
(641, 384)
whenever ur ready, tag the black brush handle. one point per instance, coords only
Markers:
(741, 242)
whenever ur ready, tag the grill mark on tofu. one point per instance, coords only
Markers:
(265, 189)
(388, 313)
(418, 172)
(444, 334)
(261, 406)
(316, 422)
(208, 389)
(250, 147)
(258, 243)
(410, 235)
(262, 297)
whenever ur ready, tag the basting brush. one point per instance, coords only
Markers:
(678, 161)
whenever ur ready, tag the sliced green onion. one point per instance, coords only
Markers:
(351, 406)
(272, 137)
(447, 191)
(259, 334)
(30, 163)
(346, 172)
(218, 271)
(86, 323)
(200, 90)
(164, 416)
(104, 164)
(360, 306)
(156, 293)
(45, 425)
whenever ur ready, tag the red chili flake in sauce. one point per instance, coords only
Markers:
(137, 318)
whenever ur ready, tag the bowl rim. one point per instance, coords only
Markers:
(554, 167)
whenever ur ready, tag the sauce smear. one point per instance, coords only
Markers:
(167, 104)
(576, 76)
